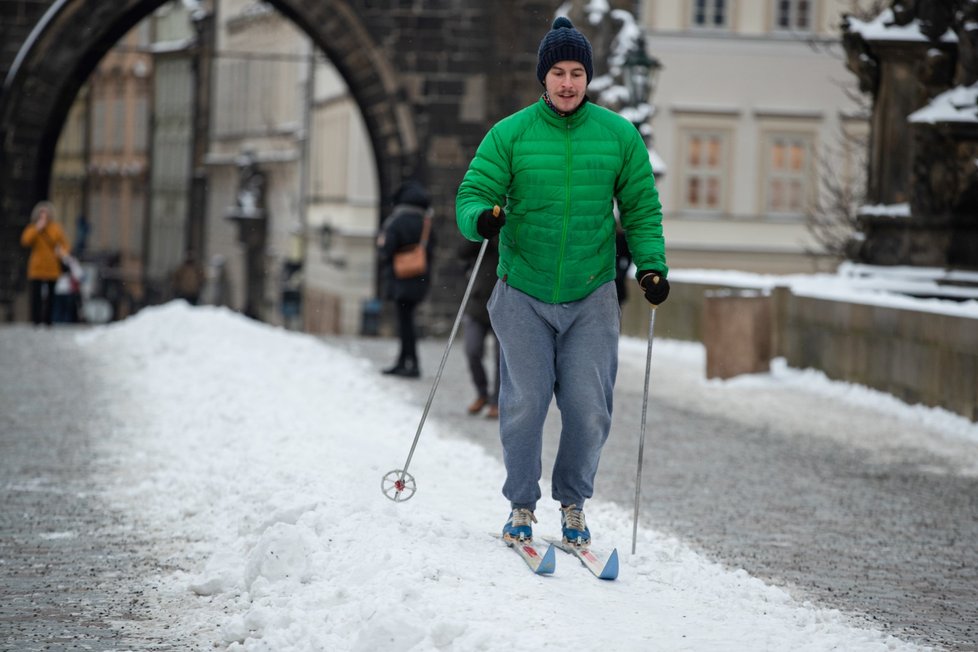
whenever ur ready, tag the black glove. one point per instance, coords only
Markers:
(655, 286)
(490, 222)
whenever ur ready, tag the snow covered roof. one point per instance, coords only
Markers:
(960, 104)
(883, 28)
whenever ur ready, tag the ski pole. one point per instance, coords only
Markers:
(399, 481)
(641, 439)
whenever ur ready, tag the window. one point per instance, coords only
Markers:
(703, 170)
(141, 119)
(787, 174)
(257, 96)
(99, 110)
(136, 221)
(117, 132)
(709, 14)
(793, 15)
(112, 205)
(330, 151)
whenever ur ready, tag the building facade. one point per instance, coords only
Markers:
(276, 96)
(69, 176)
(118, 162)
(754, 108)
(101, 172)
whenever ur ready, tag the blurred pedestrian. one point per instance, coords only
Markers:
(67, 292)
(557, 167)
(478, 329)
(47, 242)
(408, 225)
(82, 228)
(217, 285)
(623, 261)
(291, 301)
(188, 279)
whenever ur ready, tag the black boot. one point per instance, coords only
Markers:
(406, 369)
(409, 369)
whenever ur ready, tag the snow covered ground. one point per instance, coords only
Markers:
(259, 454)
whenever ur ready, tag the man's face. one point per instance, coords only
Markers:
(566, 82)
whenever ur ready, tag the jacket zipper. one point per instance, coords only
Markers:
(563, 233)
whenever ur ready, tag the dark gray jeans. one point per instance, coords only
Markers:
(568, 351)
(477, 334)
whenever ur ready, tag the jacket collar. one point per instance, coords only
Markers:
(568, 121)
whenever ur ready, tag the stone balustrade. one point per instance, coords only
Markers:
(916, 355)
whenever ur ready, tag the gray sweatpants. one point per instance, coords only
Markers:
(568, 351)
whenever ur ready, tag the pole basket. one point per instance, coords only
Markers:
(398, 485)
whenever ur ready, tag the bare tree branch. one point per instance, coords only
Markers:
(832, 221)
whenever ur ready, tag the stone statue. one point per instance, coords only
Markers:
(966, 27)
(924, 131)
(251, 186)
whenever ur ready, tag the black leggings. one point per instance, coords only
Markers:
(42, 301)
(406, 330)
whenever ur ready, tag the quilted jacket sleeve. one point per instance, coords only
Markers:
(640, 208)
(485, 183)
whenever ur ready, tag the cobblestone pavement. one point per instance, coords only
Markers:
(890, 539)
(74, 574)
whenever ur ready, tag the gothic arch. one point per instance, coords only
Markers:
(72, 36)
(335, 28)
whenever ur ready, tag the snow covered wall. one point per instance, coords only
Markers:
(857, 326)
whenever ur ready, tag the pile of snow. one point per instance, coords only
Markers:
(261, 452)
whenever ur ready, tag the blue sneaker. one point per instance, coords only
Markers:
(574, 527)
(518, 526)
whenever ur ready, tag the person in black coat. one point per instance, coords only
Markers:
(403, 228)
(623, 261)
(478, 330)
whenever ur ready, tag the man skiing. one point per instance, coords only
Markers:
(557, 167)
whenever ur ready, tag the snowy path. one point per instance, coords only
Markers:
(248, 460)
(264, 451)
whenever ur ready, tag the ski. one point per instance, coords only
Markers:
(541, 565)
(607, 570)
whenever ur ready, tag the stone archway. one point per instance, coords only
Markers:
(429, 79)
(72, 37)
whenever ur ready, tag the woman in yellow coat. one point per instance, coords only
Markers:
(47, 242)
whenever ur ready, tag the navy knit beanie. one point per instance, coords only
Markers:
(563, 43)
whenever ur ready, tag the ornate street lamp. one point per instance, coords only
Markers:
(641, 78)
(641, 73)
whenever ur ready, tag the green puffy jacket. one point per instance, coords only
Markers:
(556, 178)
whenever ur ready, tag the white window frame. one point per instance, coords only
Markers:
(702, 173)
(709, 8)
(794, 13)
(797, 202)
